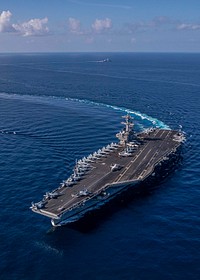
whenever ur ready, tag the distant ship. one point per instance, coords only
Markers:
(101, 176)
(105, 60)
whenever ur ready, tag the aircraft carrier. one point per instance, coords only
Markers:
(101, 176)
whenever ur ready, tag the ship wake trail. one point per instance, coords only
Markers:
(136, 114)
(48, 248)
(144, 120)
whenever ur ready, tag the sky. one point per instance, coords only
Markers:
(99, 26)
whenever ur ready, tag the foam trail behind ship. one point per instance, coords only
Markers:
(52, 100)
(155, 122)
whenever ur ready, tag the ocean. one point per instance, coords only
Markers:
(56, 108)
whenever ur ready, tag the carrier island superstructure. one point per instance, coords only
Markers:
(101, 176)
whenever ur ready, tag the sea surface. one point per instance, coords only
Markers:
(56, 108)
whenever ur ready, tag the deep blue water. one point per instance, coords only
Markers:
(56, 108)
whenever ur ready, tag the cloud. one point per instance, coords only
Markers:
(33, 27)
(188, 26)
(74, 25)
(101, 25)
(5, 25)
(98, 26)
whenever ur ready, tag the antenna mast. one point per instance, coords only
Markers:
(126, 134)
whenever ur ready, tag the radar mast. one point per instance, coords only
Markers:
(126, 134)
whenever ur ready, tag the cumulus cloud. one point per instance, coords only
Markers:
(74, 25)
(5, 25)
(33, 27)
(102, 24)
(188, 26)
(98, 26)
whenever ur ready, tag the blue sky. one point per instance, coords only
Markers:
(99, 25)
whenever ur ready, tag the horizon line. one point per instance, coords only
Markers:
(132, 52)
